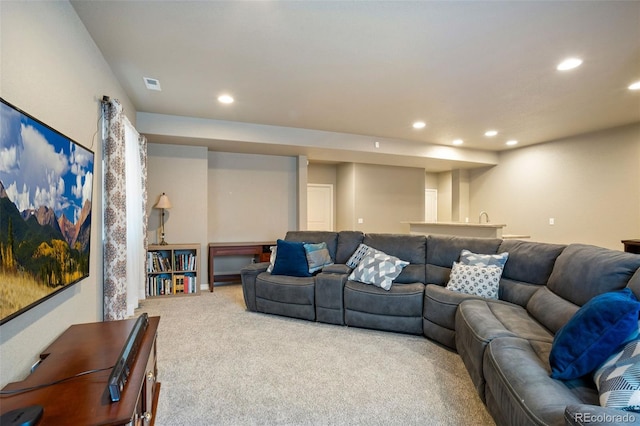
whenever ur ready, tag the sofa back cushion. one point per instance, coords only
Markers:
(331, 238)
(550, 310)
(410, 248)
(348, 242)
(529, 266)
(584, 271)
(443, 250)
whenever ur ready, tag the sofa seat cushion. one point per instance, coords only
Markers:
(478, 322)
(285, 295)
(518, 383)
(399, 309)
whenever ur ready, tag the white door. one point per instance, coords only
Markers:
(430, 205)
(319, 207)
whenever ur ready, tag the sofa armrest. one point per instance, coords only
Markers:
(594, 415)
(330, 296)
(249, 275)
(336, 268)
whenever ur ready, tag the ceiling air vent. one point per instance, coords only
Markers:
(152, 83)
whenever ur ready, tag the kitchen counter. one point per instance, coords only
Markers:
(481, 230)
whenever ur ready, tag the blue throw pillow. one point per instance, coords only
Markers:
(291, 259)
(593, 334)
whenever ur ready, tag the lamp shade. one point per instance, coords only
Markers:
(163, 202)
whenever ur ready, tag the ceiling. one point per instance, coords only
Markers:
(372, 68)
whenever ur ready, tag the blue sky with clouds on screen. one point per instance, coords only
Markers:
(40, 167)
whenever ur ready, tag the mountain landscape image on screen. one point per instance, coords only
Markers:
(46, 182)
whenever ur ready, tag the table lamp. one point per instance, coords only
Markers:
(163, 203)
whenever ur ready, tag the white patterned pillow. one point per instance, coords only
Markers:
(618, 379)
(469, 258)
(476, 280)
(357, 255)
(272, 258)
(378, 268)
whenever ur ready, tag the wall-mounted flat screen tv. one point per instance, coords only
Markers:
(46, 184)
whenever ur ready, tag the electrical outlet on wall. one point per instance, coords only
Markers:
(552, 221)
(360, 220)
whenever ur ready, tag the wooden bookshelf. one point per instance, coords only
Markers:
(173, 270)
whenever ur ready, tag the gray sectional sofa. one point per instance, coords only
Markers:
(504, 343)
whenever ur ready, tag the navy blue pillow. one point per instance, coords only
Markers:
(593, 334)
(291, 259)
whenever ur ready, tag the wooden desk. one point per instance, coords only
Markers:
(85, 400)
(235, 249)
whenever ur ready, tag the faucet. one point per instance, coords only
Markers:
(485, 214)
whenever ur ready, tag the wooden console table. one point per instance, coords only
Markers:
(85, 400)
(235, 249)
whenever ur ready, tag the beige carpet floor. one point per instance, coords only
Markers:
(220, 364)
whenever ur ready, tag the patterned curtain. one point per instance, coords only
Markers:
(124, 262)
(115, 214)
(142, 141)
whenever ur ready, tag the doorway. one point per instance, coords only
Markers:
(320, 207)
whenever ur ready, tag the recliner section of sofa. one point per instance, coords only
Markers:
(505, 348)
(400, 308)
(292, 296)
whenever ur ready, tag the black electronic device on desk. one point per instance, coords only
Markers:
(122, 368)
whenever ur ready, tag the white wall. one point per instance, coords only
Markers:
(181, 173)
(251, 198)
(52, 69)
(382, 196)
(590, 185)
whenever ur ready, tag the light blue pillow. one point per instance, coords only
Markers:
(469, 258)
(593, 334)
(317, 256)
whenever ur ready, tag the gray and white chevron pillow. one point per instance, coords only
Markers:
(618, 379)
(358, 255)
(378, 268)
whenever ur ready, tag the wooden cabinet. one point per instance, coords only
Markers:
(173, 270)
(73, 374)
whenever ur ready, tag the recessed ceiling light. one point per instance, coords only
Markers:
(569, 64)
(458, 142)
(225, 99)
(512, 142)
(634, 86)
(490, 133)
(419, 125)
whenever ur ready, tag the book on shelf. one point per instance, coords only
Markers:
(185, 261)
(158, 262)
(178, 284)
